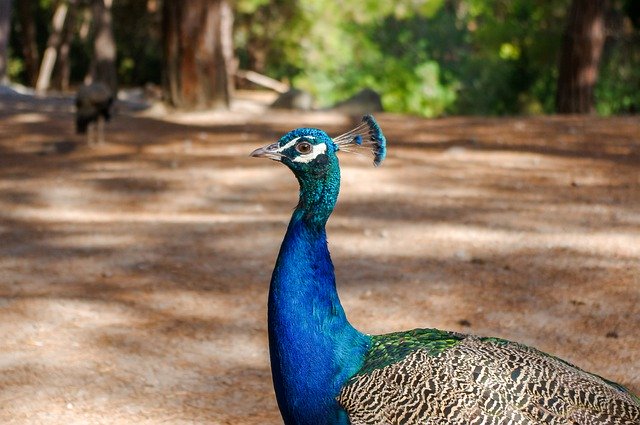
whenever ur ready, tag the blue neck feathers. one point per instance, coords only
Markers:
(313, 348)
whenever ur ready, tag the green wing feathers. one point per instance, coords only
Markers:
(391, 348)
(435, 377)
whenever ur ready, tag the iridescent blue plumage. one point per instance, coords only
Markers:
(314, 349)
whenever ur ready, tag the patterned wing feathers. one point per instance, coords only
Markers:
(480, 381)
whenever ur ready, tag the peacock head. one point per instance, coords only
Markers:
(306, 151)
(311, 152)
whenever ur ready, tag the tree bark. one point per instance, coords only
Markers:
(29, 40)
(5, 30)
(53, 44)
(103, 68)
(62, 72)
(198, 53)
(582, 44)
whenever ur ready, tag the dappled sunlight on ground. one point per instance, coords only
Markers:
(134, 275)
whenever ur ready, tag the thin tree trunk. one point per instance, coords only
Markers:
(104, 45)
(198, 53)
(5, 30)
(53, 44)
(582, 45)
(29, 40)
(63, 69)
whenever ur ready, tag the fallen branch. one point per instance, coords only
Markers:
(263, 80)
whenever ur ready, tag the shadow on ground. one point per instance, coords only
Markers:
(135, 274)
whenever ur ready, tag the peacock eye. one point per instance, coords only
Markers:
(304, 147)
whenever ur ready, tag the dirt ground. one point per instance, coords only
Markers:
(134, 275)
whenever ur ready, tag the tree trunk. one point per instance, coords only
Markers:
(63, 69)
(51, 52)
(103, 67)
(5, 30)
(29, 40)
(198, 53)
(582, 45)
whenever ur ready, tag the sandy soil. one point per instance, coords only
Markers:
(133, 276)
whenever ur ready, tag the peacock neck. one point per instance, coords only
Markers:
(318, 196)
(313, 348)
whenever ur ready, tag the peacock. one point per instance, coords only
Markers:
(93, 105)
(327, 372)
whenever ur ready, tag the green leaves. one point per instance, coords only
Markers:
(474, 56)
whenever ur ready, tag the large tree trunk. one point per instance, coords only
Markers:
(5, 30)
(103, 68)
(29, 40)
(582, 45)
(198, 53)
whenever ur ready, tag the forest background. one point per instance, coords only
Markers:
(425, 57)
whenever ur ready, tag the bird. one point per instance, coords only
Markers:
(325, 371)
(93, 105)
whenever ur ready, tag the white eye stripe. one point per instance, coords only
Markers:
(315, 151)
(292, 142)
(288, 145)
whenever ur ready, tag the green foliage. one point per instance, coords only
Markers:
(507, 55)
(15, 68)
(435, 57)
(616, 91)
(429, 57)
(267, 35)
(137, 32)
(351, 47)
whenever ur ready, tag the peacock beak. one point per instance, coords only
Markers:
(269, 151)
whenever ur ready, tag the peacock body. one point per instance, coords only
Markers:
(93, 105)
(327, 372)
(446, 378)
